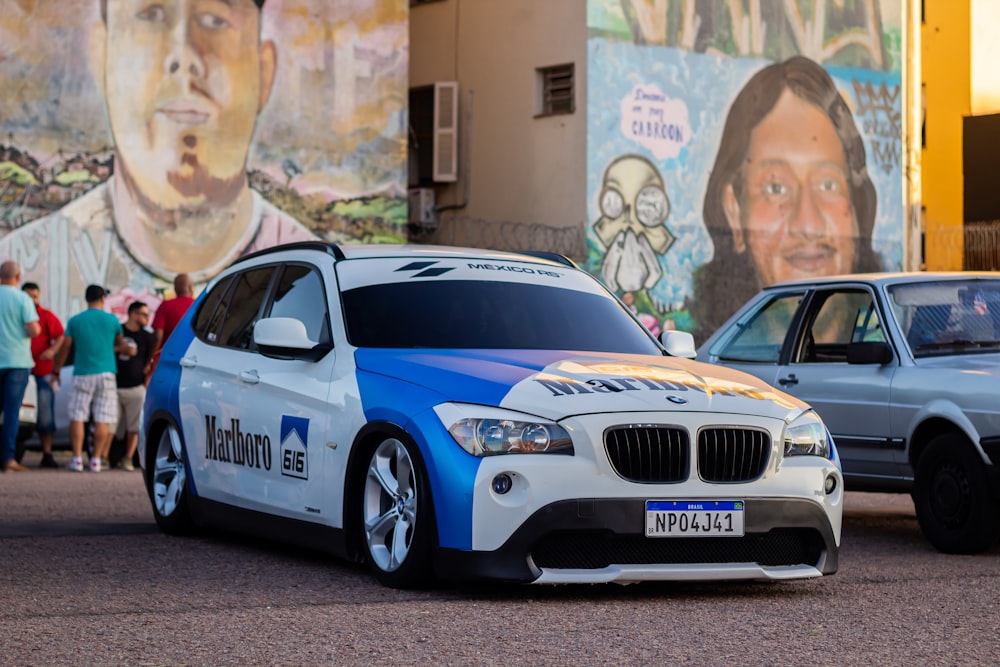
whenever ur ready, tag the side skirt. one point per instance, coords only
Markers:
(232, 519)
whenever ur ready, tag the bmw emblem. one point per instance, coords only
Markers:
(674, 398)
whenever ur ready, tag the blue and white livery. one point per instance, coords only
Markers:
(471, 414)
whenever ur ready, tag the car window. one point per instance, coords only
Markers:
(948, 317)
(244, 305)
(837, 318)
(760, 335)
(299, 294)
(209, 315)
(473, 314)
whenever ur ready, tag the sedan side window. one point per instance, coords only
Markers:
(841, 317)
(761, 334)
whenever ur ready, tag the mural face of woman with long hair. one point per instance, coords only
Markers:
(789, 195)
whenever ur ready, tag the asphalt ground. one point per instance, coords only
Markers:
(87, 579)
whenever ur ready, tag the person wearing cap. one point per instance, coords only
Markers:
(44, 348)
(97, 337)
(184, 83)
(18, 325)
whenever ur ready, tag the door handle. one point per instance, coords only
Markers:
(250, 377)
(791, 379)
(188, 362)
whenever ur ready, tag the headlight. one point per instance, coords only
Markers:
(485, 431)
(806, 435)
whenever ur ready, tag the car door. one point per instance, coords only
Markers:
(754, 342)
(852, 399)
(212, 385)
(285, 400)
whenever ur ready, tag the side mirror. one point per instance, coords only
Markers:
(869, 353)
(286, 338)
(678, 344)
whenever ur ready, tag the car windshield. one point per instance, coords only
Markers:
(470, 314)
(949, 317)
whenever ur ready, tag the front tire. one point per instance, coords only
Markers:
(397, 518)
(167, 485)
(952, 497)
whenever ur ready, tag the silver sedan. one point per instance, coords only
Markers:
(904, 369)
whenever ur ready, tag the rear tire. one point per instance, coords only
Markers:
(167, 484)
(397, 518)
(953, 499)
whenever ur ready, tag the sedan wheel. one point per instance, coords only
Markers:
(168, 484)
(397, 517)
(952, 497)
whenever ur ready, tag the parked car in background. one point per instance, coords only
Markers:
(474, 414)
(904, 368)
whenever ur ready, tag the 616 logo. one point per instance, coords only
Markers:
(294, 442)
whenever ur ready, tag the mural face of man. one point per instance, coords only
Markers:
(794, 213)
(184, 82)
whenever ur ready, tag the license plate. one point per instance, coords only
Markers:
(694, 518)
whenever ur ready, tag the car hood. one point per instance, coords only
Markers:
(557, 384)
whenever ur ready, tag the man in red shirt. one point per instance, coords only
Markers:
(43, 350)
(170, 312)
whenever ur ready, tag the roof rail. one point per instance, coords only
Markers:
(556, 257)
(331, 249)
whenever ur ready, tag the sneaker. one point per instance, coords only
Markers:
(126, 464)
(48, 462)
(76, 465)
(95, 465)
(104, 463)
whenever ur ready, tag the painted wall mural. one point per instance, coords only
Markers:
(733, 144)
(139, 140)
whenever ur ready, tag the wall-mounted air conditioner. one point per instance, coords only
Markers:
(421, 208)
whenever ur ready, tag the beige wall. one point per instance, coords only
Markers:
(519, 168)
(985, 56)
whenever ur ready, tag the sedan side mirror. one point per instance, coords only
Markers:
(678, 344)
(869, 353)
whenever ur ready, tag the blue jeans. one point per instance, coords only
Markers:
(13, 382)
(45, 423)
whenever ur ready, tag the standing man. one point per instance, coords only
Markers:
(44, 347)
(170, 312)
(133, 368)
(97, 336)
(184, 83)
(18, 325)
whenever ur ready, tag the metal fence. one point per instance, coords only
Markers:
(982, 246)
(504, 235)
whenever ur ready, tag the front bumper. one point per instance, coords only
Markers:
(602, 540)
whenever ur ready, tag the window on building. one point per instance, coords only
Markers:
(556, 93)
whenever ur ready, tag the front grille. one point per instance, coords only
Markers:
(732, 454)
(591, 551)
(651, 454)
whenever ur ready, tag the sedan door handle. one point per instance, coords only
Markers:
(188, 362)
(791, 379)
(250, 377)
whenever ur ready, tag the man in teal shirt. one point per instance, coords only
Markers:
(18, 325)
(97, 337)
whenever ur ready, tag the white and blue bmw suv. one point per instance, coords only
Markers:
(471, 414)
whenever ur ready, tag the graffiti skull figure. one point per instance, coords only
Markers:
(634, 208)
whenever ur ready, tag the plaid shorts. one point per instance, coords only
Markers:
(99, 392)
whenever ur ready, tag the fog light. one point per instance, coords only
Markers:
(502, 483)
(830, 485)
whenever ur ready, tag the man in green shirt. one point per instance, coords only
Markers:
(97, 337)
(18, 325)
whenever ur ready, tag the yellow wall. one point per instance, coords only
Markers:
(946, 66)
